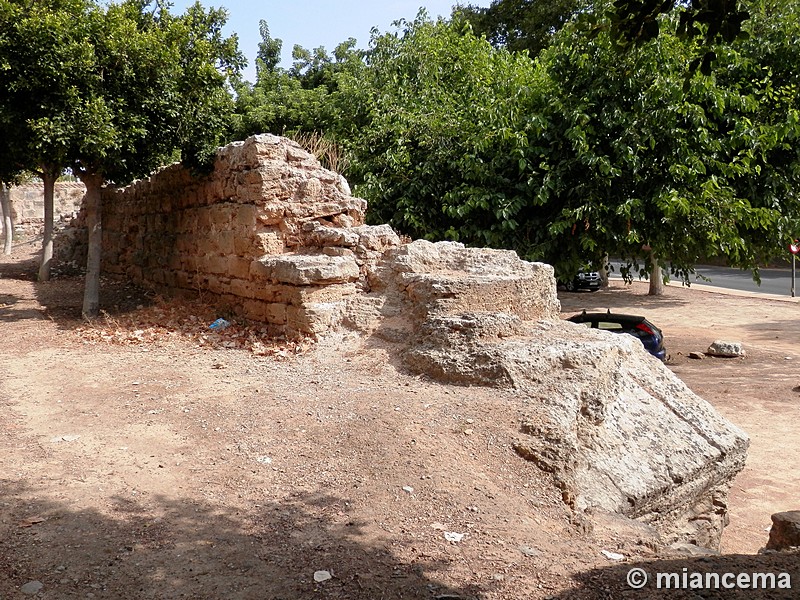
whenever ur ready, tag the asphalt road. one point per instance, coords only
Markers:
(773, 281)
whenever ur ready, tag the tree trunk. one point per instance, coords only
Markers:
(49, 177)
(656, 279)
(8, 226)
(604, 272)
(93, 207)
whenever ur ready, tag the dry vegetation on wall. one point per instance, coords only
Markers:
(329, 153)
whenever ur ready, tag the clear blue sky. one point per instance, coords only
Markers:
(314, 23)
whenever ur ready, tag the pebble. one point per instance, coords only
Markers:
(32, 588)
(408, 488)
(320, 576)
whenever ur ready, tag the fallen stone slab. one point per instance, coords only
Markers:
(785, 532)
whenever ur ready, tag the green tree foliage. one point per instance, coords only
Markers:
(643, 166)
(585, 152)
(637, 21)
(297, 99)
(442, 125)
(520, 24)
(124, 86)
(37, 104)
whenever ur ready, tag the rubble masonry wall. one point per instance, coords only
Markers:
(269, 235)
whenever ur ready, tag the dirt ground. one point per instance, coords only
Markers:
(142, 457)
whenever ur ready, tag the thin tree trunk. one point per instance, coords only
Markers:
(604, 272)
(49, 178)
(8, 226)
(656, 279)
(93, 207)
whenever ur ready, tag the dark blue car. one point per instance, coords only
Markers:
(639, 327)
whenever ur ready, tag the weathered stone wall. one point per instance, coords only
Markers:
(27, 204)
(269, 235)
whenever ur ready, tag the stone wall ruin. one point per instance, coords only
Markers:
(275, 237)
(269, 235)
(27, 204)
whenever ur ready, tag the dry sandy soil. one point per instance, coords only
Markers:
(142, 457)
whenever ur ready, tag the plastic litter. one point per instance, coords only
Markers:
(612, 555)
(452, 536)
(219, 325)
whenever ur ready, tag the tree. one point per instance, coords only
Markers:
(297, 99)
(519, 25)
(143, 84)
(8, 226)
(37, 107)
(644, 166)
(637, 21)
(439, 130)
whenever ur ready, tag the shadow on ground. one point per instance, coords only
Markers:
(692, 579)
(61, 298)
(165, 548)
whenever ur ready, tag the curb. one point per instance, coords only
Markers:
(727, 292)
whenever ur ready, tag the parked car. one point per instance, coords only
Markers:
(584, 280)
(639, 327)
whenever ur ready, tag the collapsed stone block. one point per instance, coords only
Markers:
(617, 429)
(785, 531)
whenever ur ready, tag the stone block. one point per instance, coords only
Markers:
(218, 265)
(282, 294)
(725, 349)
(377, 237)
(785, 531)
(323, 294)
(254, 309)
(222, 243)
(272, 213)
(319, 235)
(305, 269)
(276, 313)
(310, 189)
(245, 246)
(239, 267)
(204, 221)
(297, 320)
(218, 285)
(245, 217)
(241, 288)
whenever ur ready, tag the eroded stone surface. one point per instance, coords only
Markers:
(618, 430)
(785, 531)
(725, 349)
(268, 225)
